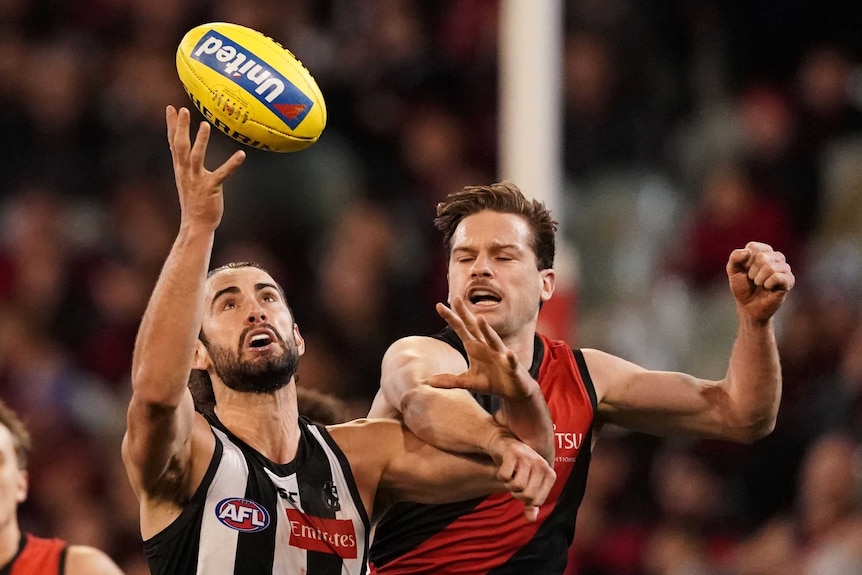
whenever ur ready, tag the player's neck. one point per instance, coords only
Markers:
(523, 344)
(10, 540)
(268, 422)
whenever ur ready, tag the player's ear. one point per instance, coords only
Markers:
(201, 359)
(548, 280)
(297, 337)
(22, 486)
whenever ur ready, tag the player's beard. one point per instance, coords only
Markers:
(264, 374)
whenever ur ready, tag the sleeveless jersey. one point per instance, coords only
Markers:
(490, 534)
(251, 516)
(37, 556)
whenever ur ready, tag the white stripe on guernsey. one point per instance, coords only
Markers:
(287, 557)
(348, 505)
(217, 552)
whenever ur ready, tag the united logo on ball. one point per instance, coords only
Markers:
(250, 87)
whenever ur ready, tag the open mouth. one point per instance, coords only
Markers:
(484, 297)
(260, 340)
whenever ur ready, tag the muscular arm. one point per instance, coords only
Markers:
(743, 405)
(157, 448)
(449, 419)
(422, 378)
(495, 369)
(391, 464)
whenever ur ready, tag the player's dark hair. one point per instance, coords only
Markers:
(20, 436)
(506, 198)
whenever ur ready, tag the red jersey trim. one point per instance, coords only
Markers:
(38, 556)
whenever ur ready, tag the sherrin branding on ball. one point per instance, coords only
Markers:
(250, 87)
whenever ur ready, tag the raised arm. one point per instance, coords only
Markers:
(741, 407)
(157, 449)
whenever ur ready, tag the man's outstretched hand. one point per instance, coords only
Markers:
(493, 367)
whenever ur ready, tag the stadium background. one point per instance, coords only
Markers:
(689, 127)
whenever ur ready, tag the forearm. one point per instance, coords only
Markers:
(164, 348)
(450, 420)
(753, 380)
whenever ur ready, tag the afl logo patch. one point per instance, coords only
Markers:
(242, 514)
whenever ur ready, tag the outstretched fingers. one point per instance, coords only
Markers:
(459, 319)
(199, 149)
(171, 121)
(449, 381)
(178, 132)
(491, 337)
(192, 155)
(224, 171)
(468, 326)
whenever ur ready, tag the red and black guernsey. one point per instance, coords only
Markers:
(37, 556)
(489, 534)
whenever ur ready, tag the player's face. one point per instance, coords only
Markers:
(13, 481)
(493, 267)
(251, 340)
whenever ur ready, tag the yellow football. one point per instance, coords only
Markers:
(250, 87)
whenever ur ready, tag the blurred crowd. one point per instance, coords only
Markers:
(689, 129)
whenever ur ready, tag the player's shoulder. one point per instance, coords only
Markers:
(608, 371)
(425, 347)
(86, 560)
(417, 341)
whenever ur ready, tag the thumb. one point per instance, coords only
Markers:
(446, 381)
(531, 513)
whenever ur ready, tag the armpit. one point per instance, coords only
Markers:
(173, 485)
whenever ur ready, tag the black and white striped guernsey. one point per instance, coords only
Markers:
(251, 516)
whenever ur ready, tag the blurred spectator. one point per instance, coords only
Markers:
(693, 510)
(358, 313)
(826, 95)
(778, 162)
(731, 212)
(823, 535)
(611, 530)
(58, 139)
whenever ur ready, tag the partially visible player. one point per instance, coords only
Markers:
(501, 256)
(24, 553)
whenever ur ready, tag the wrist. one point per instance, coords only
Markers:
(750, 322)
(495, 443)
(195, 229)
